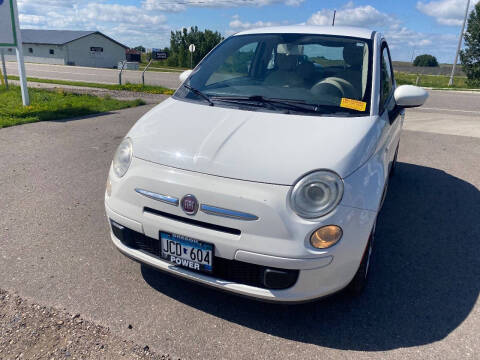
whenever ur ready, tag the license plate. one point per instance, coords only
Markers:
(186, 252)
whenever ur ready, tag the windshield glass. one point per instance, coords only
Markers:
(327, 72)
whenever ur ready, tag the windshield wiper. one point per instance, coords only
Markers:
(291, 104)
(199, 93)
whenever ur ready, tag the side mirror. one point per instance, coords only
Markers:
(184, 75)
(407, 96)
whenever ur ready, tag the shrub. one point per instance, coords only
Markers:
(426, 60)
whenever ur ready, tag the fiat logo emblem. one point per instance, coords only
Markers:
(189, 204)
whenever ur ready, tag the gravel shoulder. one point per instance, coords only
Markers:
(32, 331)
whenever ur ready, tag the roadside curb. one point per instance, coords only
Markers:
(468, 91)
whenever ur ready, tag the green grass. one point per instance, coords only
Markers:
(53, 105)
(127, 87)
(432, 81)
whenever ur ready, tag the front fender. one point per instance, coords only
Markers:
(364, 188)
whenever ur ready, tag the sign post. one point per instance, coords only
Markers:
(191, 48)
(10, 36)
(158, 54)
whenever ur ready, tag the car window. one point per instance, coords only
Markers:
(386, 78)
(326, 72)
(324, 55)
(236, 65)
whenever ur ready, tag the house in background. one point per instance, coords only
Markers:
(65, 47)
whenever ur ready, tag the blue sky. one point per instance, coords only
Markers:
(411, 26)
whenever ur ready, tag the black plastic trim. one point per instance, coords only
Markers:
(203, 224)
(230, 270)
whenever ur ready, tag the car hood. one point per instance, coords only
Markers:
(252, 145)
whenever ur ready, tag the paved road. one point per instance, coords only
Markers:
(447, 112)
(108, 76)
(422, 301)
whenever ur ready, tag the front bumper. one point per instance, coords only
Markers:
(278, 239)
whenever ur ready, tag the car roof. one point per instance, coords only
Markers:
(350, 31)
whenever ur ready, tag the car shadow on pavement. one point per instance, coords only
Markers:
(424, 280)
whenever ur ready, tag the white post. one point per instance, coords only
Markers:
(4, 68)
(191, 48)
(143, 73)
(21, 64)
(450, 83)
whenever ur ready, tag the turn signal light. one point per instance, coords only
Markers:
(326, 237)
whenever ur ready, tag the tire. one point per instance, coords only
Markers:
(359, 281)
(394, 163)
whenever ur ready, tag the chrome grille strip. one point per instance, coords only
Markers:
(213, 210)
(159, 197)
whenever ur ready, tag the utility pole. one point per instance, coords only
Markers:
(20, 61)
(413, 53)
(334, 14)
(4, 69)
(460, 39)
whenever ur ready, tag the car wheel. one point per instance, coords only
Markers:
(394, 162)
(360, 279)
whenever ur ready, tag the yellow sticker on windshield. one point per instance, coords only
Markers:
(353, 104)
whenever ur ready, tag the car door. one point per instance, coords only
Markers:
(389, 112)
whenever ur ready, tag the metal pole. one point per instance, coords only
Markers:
(21, 64)
(191, 60)
(120, 73)
(4, 68)
(143, 74)
(460, 39)
(334, 14)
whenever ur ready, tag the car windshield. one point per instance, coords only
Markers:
(285, 72)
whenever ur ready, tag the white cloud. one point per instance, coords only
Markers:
(349, 15)
(119, 14)
(145, 23)
(130, 24)
(446, 12)
(237, 25)
(403, 41)
(180, 6)
(31, 19)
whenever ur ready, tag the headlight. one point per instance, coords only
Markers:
(316, 194)
(122, 158)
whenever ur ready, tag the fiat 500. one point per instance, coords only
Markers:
(264, 173)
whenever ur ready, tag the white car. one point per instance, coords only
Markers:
(264, 173)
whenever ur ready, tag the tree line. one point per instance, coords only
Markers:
(469, 56)
(180, 40)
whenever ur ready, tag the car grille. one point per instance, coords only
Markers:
(224, 269)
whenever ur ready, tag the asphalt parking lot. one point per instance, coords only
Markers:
(422, 300)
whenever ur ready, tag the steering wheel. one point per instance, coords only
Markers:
(335, 88)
